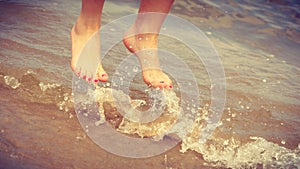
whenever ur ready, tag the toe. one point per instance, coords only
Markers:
(77, 71)
(157, 79)
(169, 86)
(89, 79)
(167, 83)
(101, 74)
(162, 84)
(103, 77)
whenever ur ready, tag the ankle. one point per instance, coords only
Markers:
(135, 30)
(86, 25)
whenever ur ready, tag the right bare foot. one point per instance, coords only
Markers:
(86, 61)
(144, 46)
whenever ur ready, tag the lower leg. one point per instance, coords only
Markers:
(87, 25)
(156, 12)
(141, 39)
(90, 15)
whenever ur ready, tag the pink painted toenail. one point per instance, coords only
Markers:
(78, 73)
(84, 77)
(96, 81)
(103, 75)
(89, 79)
(171, 87)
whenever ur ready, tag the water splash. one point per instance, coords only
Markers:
(232, 153)
(47, 86)
(217, 151)
(158, 127)
(12, 82)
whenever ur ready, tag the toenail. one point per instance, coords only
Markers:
(84, 77)
(78, 73)
(161, 82)
(170, 86)
(103, 75)
(96, 81)
(89, 79)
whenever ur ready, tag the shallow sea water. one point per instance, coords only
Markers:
(258, 44)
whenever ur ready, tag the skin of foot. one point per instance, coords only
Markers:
(144, 46)
(86, 61)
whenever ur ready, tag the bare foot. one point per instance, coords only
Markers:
(86, 61)
(144, 46)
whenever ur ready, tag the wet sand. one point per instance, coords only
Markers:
(48, 138)
(38, 135)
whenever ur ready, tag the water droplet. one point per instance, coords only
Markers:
(30, 71)
(135, 69)
(226, 142)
